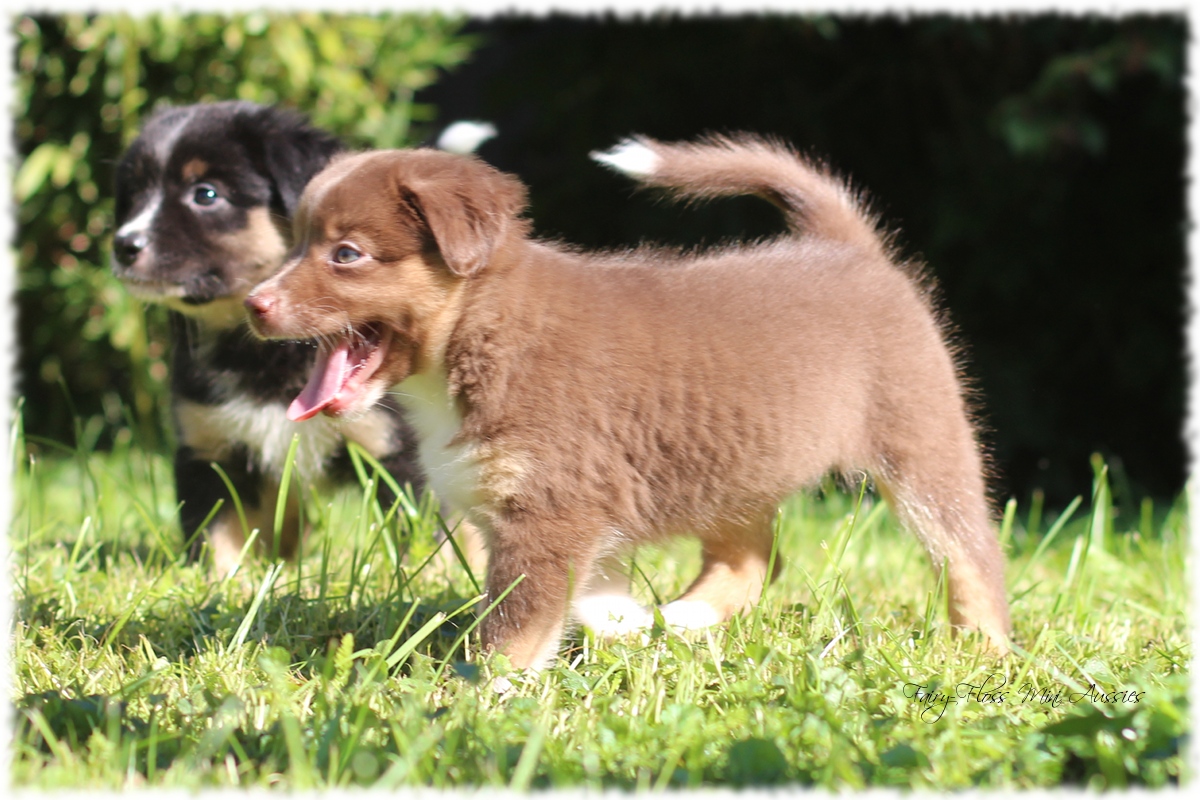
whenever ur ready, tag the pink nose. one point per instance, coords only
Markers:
(260, 305)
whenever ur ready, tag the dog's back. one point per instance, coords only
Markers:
(795, 353)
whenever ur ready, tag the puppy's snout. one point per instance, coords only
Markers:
(129, 245)
(260, 305)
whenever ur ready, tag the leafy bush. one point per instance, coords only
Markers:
(85, 85)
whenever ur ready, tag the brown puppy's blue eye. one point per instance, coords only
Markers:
(346, 255)
(204, 195)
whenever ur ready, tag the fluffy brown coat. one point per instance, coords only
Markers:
(579, 403)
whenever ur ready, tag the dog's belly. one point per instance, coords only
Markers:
(451, 468)
(213, 430)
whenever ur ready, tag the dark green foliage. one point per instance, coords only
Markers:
(1127, 747)
(756, 762)
(85, 85)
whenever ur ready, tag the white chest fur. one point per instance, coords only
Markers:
(451, 469)
(213, 430)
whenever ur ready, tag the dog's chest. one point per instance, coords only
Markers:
(213, 430)
(451, 469)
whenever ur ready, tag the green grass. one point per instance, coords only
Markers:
(350, 667)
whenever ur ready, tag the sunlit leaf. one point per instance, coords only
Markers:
(37, 168)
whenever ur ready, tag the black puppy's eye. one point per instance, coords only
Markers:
(346, 255)
(205, 195)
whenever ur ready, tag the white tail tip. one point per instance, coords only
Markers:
(465, 137)
(630, 157)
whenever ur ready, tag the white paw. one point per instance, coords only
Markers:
(630, 157)
(612, 614)
(690, 614)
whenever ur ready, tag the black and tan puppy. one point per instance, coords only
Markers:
(580, 403)
(204, 199)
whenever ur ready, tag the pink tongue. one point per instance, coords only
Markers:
(329, 375)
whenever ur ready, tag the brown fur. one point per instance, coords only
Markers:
(579, 403)
(194, 169)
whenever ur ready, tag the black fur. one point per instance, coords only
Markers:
(189, 241)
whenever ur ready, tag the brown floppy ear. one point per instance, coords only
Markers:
(468, 210)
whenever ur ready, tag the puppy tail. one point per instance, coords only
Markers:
(811, 198)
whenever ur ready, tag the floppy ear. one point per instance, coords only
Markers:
(467, 211)
(292, 152)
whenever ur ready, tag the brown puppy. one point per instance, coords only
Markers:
(578, 403)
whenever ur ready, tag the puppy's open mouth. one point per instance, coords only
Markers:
(341, 372)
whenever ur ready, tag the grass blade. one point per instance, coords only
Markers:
(1100, 530)
(281, 500)
(411, 642)
(458, 551)
(357, 452)
(523, 773)
(114, 631)
(1050, 536)
(237, 500)
(1006, 524)
(239, 638)
(467, 632)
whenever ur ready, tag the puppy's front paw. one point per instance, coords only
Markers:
(612, 615)
(690, 614)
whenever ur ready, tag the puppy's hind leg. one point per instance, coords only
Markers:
(937, 490)
(736, 555)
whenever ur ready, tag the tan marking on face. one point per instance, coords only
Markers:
(195, 169)
(259, 247)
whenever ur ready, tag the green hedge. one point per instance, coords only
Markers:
(88, 353)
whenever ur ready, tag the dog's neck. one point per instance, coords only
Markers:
(434, 340)
(480, 336)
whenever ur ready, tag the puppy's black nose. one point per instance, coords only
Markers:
(127, 246)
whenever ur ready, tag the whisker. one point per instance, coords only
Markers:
(393, 410)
